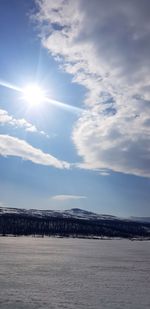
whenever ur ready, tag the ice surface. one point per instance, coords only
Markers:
(52, 273)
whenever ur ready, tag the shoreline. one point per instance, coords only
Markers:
(76, 237)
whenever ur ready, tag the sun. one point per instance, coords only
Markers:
(33, 94)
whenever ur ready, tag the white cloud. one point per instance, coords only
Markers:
(6, 119)
(12, 146)
(67, 197)
(105, 45)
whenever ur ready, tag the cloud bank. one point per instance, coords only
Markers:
(105, 45)
(12, 146)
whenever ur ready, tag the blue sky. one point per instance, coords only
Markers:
(94, 57)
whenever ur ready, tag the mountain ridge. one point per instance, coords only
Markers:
(76, 213)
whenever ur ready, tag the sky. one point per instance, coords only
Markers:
(82, 140)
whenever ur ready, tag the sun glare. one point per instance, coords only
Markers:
(33, 94)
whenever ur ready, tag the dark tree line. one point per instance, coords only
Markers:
(18, 225)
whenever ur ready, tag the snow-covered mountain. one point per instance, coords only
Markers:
(17, 221)
(69, 213)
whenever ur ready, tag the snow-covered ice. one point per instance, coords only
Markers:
(51, 273)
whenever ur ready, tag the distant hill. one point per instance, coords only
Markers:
(73, 222)
(140, 219)
(69, 213)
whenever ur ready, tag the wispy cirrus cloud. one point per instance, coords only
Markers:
(67, 197)
(12, 146)
(6, 119)
(105, 45)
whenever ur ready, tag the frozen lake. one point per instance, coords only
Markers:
(54, 273)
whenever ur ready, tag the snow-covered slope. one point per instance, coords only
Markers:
(84, 214)
(70, 213)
